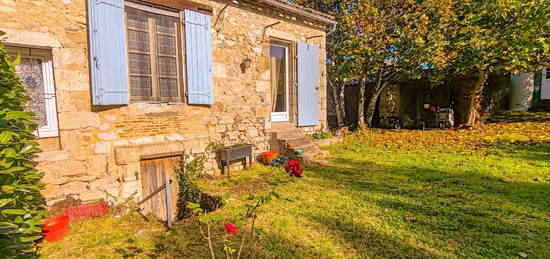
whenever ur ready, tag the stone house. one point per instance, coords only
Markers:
(119, 82)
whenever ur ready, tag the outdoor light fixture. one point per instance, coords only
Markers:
(247, 62)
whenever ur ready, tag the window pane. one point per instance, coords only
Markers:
(137, 18)
(30, 73)
(140, 64)
(138, 41)
(166, 45)
(141, 86)
(166, 24)
(167, 66)
(168, 87)
(278, 67)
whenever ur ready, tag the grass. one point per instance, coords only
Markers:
(466, 194)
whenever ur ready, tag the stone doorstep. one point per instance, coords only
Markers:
(315, 158)
(296, 141)
(308, 147)
(312, 155)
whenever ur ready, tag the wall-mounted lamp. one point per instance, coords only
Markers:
(247, 63)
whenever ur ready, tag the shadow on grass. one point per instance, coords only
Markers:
(469, 213)
(534, 151)
(456, 213)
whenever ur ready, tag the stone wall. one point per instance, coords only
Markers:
(84, 158)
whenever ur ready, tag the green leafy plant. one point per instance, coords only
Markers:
(193, 165)
(207, 221)
(190, 169)
(321, 135)
(21, 205)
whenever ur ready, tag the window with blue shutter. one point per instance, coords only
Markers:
(308, 84)
(108, 62)
(154, 55)
(198, 47)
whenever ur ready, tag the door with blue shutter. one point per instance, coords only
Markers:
(198, 50)
(108, 62)
(308, 84)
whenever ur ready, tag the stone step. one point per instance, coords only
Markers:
(282, 135)
(288, 134)
(296, 141)
(308, 147)
(316, 158)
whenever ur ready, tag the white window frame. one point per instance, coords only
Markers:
(51, 129)
(283, 116)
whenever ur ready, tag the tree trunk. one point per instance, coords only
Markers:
(337, 103)
(361, 106)
(474, 99)
(342, 99)
(373, 97)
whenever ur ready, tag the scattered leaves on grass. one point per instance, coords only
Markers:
(409, 219)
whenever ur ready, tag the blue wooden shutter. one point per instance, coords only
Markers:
(108, 63)
(198, 49)
(308, 84)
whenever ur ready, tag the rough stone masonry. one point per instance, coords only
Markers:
(98, 148)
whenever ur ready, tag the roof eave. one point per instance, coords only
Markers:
(299, 11)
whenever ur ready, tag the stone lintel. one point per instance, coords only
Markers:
(134, 153)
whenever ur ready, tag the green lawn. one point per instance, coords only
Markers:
(469, 193)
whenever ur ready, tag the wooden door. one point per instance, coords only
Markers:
(153, 175)
(308, 84)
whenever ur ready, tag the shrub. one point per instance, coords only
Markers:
(192, 168)
(21, 205)
(321, 135)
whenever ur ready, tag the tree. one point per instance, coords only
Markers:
(395, 40)
(21, 205)
(380, 42)
(498, 36)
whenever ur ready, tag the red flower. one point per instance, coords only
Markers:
(231, 229)
(293, 168)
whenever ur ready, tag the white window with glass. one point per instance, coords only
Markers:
(36, 73)
(279, 66)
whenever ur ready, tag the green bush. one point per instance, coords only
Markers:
(321, 135)
(189, 192)
(21, 205)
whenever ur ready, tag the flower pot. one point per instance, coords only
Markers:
(55, 228)
(268, 156)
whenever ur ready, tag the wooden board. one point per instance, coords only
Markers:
(153, 175)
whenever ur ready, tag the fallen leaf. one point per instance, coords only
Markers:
(523, 255)
(409, 219)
